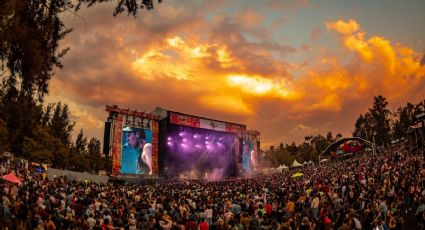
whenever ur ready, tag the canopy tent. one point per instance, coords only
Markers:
(282, 167)
(11, 177)
(296, 164)
(305, 163)
(310, 162)
(323, 160)
(345, 148)
(415, 133)
(414, 127)
(298, 174)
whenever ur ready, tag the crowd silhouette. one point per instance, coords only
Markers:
(364, 192)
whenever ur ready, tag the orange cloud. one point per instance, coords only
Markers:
(390, 67)
(224, 76)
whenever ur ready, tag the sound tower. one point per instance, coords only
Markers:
(106, 137)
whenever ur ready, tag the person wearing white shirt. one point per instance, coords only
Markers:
(91, 221)
(208, 215)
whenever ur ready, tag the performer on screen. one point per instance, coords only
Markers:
(136, 153)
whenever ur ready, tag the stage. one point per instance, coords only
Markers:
(153, 147)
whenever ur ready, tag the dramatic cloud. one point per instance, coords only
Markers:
(204, 60)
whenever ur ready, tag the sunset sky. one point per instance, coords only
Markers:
(285, 68)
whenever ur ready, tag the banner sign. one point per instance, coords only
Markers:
(155, 138)
(196, 122)
(180, 119)
(116, 146)
(232, 128)
(214, 125)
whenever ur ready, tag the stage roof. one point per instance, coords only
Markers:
(163, 113)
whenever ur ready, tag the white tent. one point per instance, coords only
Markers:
(311, 162)
(305, 163)
(296, 164)
(324, 160)
(282, 167)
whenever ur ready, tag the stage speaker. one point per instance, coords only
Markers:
(240, 150)
(258, 146)
(107, 137)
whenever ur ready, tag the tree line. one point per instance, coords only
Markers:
(43, 134)
(377, 123)
(30, 35)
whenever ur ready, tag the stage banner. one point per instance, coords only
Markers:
(235, 128)
(155, 142)
(180, 119)
(214, 125)
(238, 153)
(116, 146)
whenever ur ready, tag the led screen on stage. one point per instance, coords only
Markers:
(200, 152)
(136, 157)
(249, 156)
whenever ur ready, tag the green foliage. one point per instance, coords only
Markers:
(405, 117)
(60, 124)
(4, 135)
(80, 144)
(30, 33)
(94, 155)
(40, 147)
(379, 121)
(130, 6)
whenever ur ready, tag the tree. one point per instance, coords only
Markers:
(60, 124)
(293, 149)
(360, 127)
(4, 135)
(40, 147)
(93, 147)
(21, 116)
(131, 6)
(46, 115)
(30, 33)
(94, 155)
(320, 143)
(329, 137)
(380, 120)
(405, 117)
(81, 143)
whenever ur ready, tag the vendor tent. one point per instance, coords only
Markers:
(296, 164)
(11, 177)
(298, 174)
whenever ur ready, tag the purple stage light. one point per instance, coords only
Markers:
(169, 143)
(169, 138)
(199, 149)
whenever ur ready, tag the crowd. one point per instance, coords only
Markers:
(365, 192)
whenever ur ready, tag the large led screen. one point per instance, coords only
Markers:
(136, 155)
(249, 156)
(199, 152)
